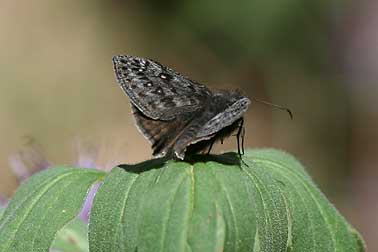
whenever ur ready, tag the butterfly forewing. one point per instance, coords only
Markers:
(157, 91)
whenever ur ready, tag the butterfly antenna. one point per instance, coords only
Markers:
(275, 106)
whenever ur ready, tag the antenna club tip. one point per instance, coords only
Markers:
(290, 113)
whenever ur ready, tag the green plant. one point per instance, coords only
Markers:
(212, 204)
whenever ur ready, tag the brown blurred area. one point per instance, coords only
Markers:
(320, 58)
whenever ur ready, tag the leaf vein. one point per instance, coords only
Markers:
(232, 210)
(267, 219)
(164, 227)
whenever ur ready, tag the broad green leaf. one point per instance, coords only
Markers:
(214, 204)
(72, 238)
(42, 206)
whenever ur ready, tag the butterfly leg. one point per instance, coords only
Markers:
(238, 135)
(238, 142)
(241, 134)
(211, 146)
(242, 138)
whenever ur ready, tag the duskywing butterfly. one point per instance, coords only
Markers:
(178, 115)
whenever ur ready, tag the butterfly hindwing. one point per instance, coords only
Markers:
(161, 134)
(225, 117)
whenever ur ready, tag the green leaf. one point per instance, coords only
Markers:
(42, 206)
(214, 204)
(72, 238)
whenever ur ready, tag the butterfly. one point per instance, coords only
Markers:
(177, 115)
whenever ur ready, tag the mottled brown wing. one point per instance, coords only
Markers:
(158, 91)
(161, 134)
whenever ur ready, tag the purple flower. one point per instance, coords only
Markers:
(85, 211)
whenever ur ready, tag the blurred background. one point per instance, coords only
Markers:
(60, 103)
